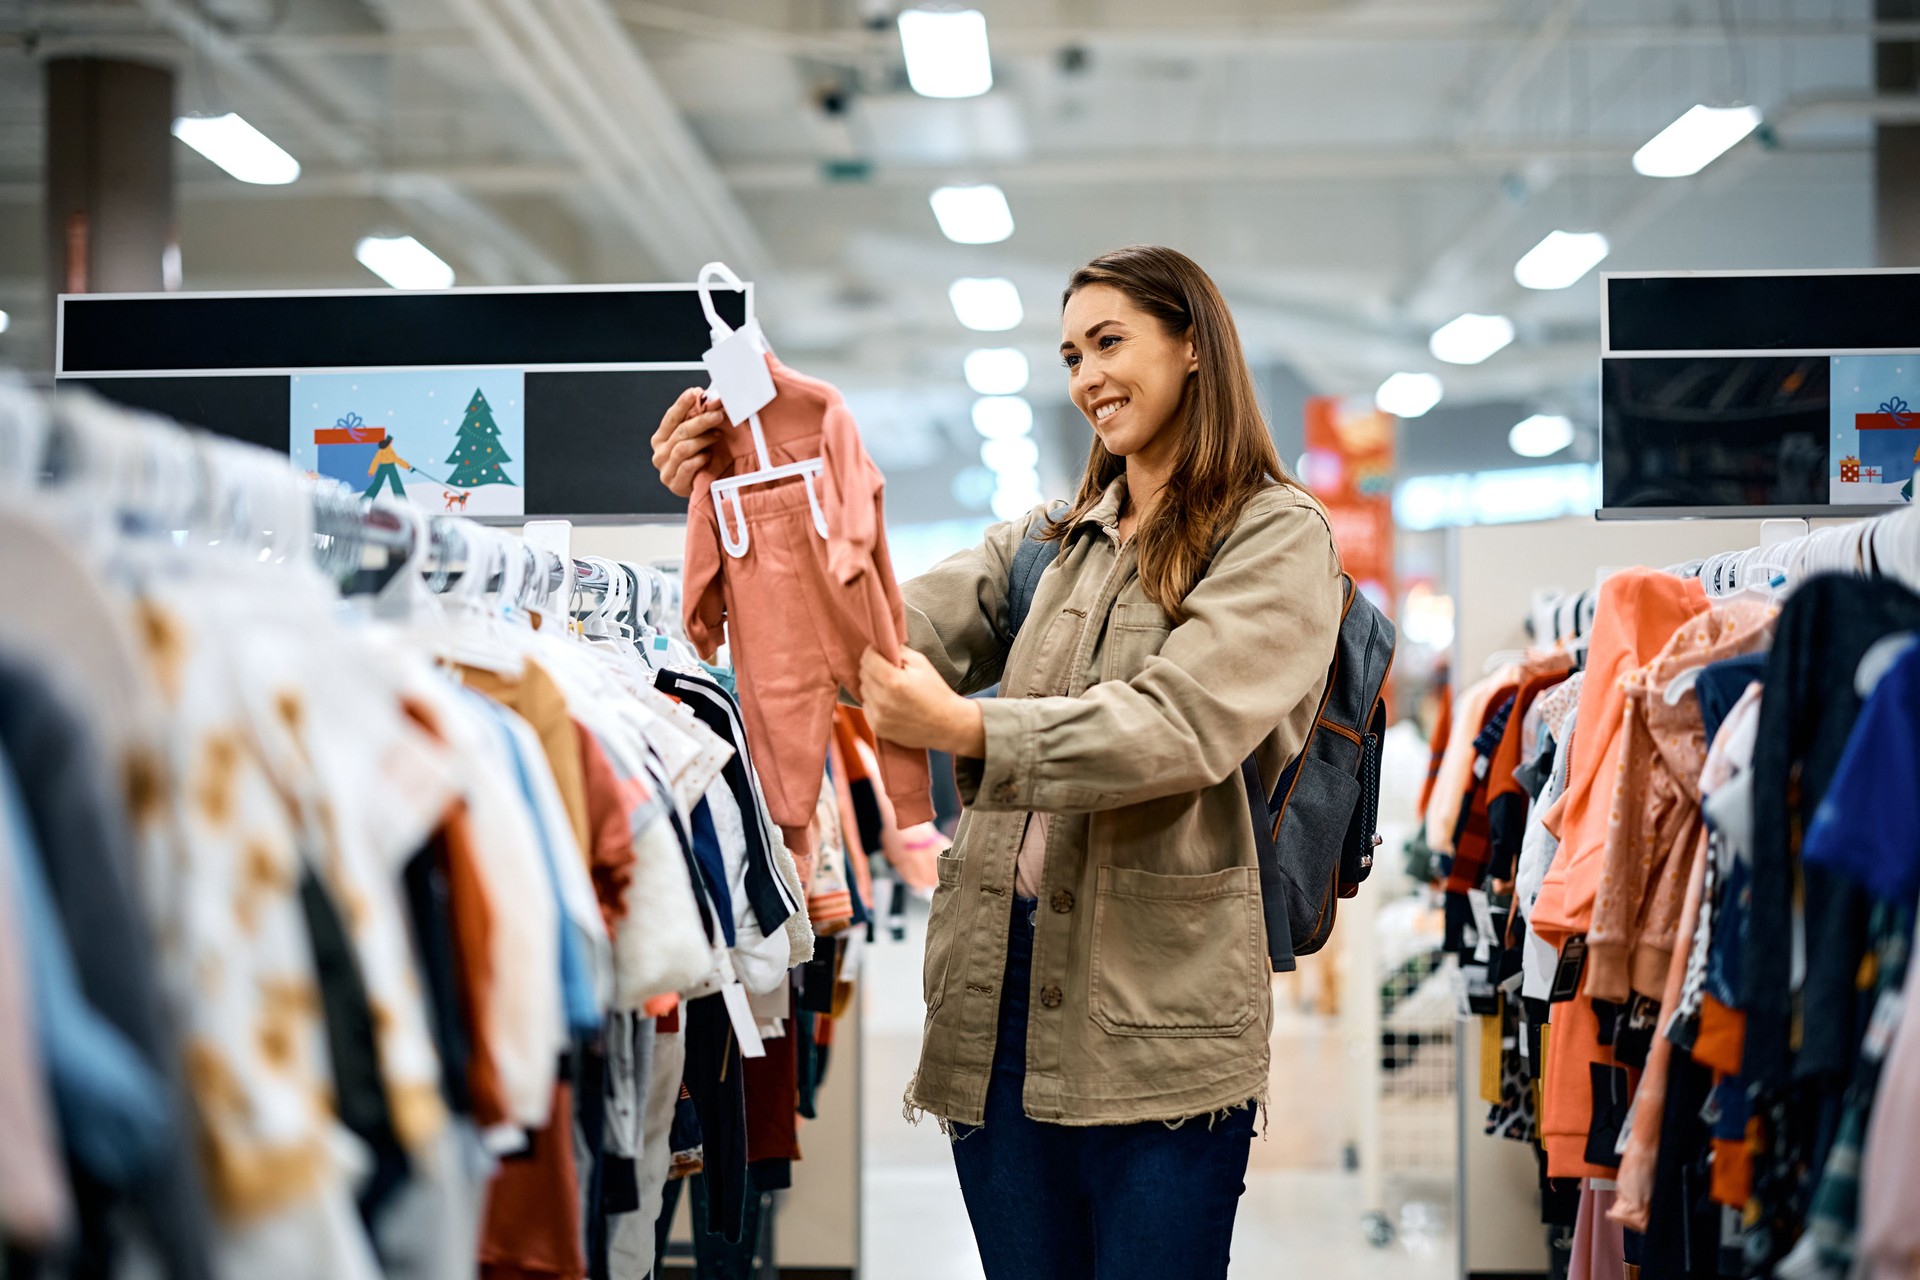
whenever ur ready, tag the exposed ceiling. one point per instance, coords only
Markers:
(1353, 172)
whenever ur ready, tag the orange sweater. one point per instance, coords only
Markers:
(1639, 611)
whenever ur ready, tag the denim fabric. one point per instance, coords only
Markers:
(1102, 1202)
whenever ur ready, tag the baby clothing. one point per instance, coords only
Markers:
(799, 609)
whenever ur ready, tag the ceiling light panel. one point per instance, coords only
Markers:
(997, 371)
(1694, 141)
(1541, 436)
(1470, 338)
(239, 148)
(1002, 417)
(403, 262)
(946, 52)
(972, 215)
(1408, 395)
(989, 304)
(1560, 259)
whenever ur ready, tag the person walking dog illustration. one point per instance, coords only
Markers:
(385, 469)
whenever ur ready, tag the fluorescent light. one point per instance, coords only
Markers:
(1470, 338)
(238, 147)
(1408, 395)
(403, 262)
(1541, 436)
(1017, 454)
(990, 304)
(1560, 259)
(6, 322)
(997, 371)
(1694, 141)
(1011, 504)
(946, 52)
(1496, 497)
(1002, 417)
(972, 215)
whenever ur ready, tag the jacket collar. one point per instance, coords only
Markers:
(1106, 512)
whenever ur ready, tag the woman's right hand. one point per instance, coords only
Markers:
(691, 426)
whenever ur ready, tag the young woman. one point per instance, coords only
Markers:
(1096, 968)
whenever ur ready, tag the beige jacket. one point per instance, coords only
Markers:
(1150, 976)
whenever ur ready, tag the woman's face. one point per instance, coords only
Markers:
(1123, 371)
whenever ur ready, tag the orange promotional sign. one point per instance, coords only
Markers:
(1349, 467)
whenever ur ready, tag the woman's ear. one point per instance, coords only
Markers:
(1193, 354)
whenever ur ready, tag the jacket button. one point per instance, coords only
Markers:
(1050, 996)
(1003, 791)
(1063, 901)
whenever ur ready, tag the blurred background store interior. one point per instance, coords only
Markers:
(1408, 204)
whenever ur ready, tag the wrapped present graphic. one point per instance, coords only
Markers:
(345, 450)
(1889, 438)
(1850, 469)
(1871, 475)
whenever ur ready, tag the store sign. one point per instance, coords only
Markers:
(1349, 467)
(1740, 393)
(493, 403)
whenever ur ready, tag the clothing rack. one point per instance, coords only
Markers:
(146, 475)
(1883, 547)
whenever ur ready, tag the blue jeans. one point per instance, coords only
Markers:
(1106, 1202)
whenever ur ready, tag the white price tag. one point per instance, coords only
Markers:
(745, 1029)
(741, 380)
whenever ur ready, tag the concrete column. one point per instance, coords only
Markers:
(109, 211)
(1896, 151)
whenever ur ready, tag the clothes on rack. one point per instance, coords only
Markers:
(799, 608)
(374, 935)
(1697, 962)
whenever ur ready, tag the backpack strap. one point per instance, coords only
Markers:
(1029, 562)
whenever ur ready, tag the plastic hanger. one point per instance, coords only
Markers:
(726, 493)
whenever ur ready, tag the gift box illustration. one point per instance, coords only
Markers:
(345, 450)
(1871, 475)
(1889, 438)
(1850, 469)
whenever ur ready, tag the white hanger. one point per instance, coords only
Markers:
(726, 493)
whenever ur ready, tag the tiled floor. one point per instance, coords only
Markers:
(1302, 1214)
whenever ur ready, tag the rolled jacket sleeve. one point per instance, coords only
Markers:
(1257, 641)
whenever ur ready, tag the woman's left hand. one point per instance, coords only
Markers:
(911, 705)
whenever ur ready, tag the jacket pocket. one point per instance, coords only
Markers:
(1176, 955)
(1136, 633)
(941, 926)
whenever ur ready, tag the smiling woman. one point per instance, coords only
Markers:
(1155, 363)
(1096, 951)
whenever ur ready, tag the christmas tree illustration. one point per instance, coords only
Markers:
(478, 453)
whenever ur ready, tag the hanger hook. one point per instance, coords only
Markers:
(721, 270)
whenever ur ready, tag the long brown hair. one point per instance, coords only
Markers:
(1226, 452)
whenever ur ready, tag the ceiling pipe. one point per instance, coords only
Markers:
(640, 155)
(495, 246)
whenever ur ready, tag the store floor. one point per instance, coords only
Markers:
(1302, 1213)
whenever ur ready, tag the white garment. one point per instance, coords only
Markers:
(630, 1240)
(1538, 957)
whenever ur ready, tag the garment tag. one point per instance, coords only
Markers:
(745, 1028)
(1880, 1027)
(1626, 1127)
(1573, 963)
(738, 367)
(856, 951)
(1482, 920)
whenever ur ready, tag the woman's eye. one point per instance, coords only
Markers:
(1069, 362)
(1108, 340)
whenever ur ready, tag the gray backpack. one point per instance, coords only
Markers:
(1315, 832)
